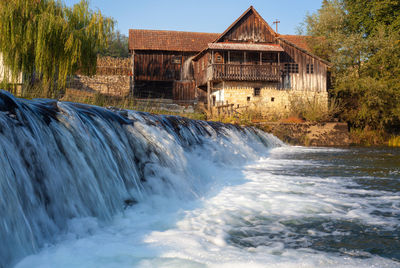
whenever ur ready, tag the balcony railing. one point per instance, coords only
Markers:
(246, 72)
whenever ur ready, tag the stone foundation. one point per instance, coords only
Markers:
(267, 97)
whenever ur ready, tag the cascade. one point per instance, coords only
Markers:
(61, 160)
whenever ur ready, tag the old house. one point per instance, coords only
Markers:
(248, 64)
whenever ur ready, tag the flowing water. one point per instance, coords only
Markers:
(82, 186)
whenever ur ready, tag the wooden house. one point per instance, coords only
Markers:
(162, 62)
(249, 63)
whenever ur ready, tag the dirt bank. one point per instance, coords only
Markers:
(309, 134)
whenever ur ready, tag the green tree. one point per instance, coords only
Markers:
(364, 16)
(47, 40)
(361, 39)
(117, 46)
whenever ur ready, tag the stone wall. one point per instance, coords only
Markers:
(113, 77)
(269, 98)
(114, 85)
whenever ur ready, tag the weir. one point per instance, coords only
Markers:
(61, 161)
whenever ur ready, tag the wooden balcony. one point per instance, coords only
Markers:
(246, 72)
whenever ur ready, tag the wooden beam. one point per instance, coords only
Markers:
(132, 89)
(279, 70)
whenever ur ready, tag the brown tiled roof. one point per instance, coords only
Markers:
(298, 40)
(192, 41)
(169, 40)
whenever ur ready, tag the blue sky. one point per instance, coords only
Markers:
(200, 15)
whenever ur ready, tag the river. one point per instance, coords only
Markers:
(82, 186)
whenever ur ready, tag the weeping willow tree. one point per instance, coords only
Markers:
(46, 40)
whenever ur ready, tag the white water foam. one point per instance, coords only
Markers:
(163, 231)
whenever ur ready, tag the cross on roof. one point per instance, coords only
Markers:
(276, 22)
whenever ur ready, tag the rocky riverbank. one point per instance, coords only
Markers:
(309, 134)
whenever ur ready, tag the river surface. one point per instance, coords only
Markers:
(292, 207)
(85, 186)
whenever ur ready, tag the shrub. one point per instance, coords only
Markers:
(312, 109)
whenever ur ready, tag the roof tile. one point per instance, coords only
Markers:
(298, 40)
(169, 40)
(188, 41)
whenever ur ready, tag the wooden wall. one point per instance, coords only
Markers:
(250, 28)
(159, 65)
(200, 69)
(153, 89)
(317, 81)
(184, 91)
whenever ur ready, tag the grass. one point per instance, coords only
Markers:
(394, 141)
(313, 109)
(98, 99)
(367, 137)
(130, 103)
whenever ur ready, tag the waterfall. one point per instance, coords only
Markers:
(61, 161)
(187, 69)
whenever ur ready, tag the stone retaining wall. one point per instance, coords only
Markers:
(114, 85)
(113, 77)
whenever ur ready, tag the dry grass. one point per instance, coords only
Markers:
(98, 99)
(367, 137)
(313, 109)
(394, 141)
(129, 103)
(293, 119)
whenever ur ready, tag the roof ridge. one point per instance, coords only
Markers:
(251, 8)
(175, 31)
(295, 35)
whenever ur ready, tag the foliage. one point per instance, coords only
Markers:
(367, 137)
(362, 41)
(117, 46)
(312, 109)
(47, 40)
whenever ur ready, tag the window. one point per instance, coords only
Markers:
(248, 98)
(257, 91)
(292, 68)
(176, 60)
(219, 58)
(272, 99)
(310, 68)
